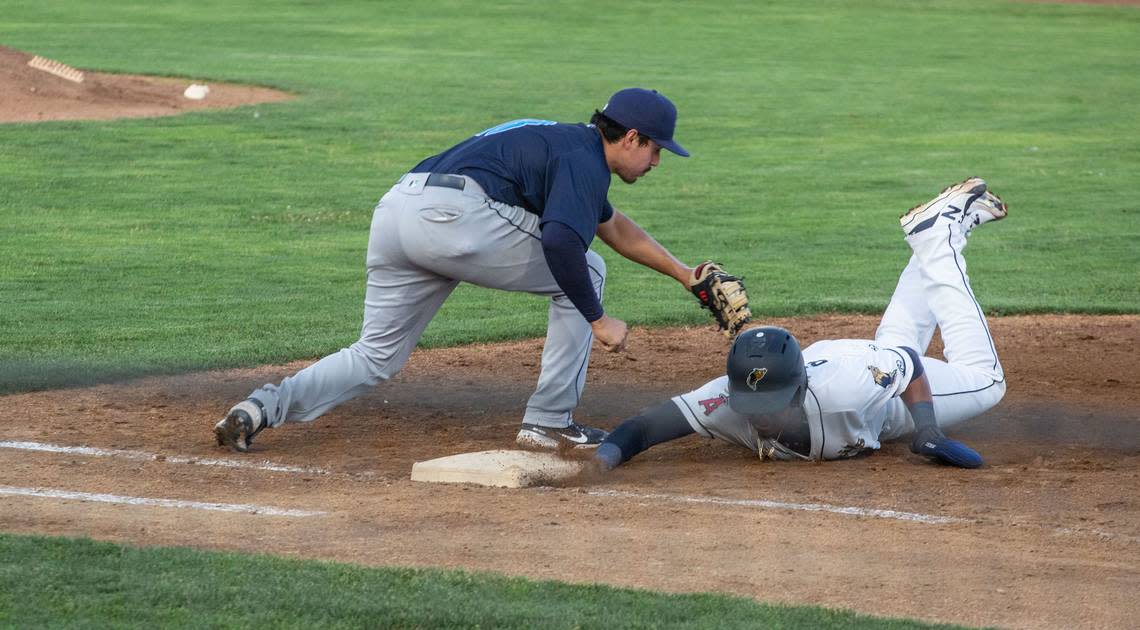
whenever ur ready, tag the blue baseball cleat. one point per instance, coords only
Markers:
(941, 448)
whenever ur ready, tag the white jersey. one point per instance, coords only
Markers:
(852, 400)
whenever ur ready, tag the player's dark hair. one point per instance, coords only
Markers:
(612, 130)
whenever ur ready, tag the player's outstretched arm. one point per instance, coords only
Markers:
(928, 437)
(720, 292)
(628, 239)
(652, 426)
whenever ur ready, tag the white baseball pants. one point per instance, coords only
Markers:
(934, 291)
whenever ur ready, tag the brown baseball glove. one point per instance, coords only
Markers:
(723, 294)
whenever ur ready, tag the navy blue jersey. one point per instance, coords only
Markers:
(555, 170)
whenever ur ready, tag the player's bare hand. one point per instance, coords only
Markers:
(610, 332)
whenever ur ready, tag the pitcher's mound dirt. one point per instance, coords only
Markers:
(31, 95)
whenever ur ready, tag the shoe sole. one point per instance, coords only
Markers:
(532, 440)
(228, 432)
(1000, 207)
(912, 220)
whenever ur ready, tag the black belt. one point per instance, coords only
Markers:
(445, 181)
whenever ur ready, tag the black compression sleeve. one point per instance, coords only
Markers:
(652, 426)
(566, 256)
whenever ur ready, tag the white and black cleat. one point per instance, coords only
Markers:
(988, 207)
(244, 420)
(968, 203)
(536, 436)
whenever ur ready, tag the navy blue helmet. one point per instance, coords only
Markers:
(765, 371)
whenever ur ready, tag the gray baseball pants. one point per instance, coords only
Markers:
(424, 241)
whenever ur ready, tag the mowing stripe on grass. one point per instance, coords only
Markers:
(929, 519)
(171, 459)
(172, 503)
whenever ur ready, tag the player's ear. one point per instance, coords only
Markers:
(631, 137)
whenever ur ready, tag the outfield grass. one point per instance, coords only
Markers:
(56, 582)
(237, 238)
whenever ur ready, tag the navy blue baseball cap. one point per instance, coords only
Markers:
(647, 111)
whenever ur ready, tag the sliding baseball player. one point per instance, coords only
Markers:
(841, 398)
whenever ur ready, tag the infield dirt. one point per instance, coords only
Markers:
(1047, 534)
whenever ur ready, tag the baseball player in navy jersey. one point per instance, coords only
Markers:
(841, 398)
(514, 207)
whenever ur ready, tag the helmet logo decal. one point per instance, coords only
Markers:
(883, 379)
(755, 376)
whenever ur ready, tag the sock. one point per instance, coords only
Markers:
(609, 455)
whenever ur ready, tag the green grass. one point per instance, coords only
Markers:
(65, 583)
(237, 237)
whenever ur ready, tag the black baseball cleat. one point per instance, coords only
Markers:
(540, 437)
(244, 420)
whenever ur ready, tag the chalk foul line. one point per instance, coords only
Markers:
(171, 503)
(930, 519)
(171, 459)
